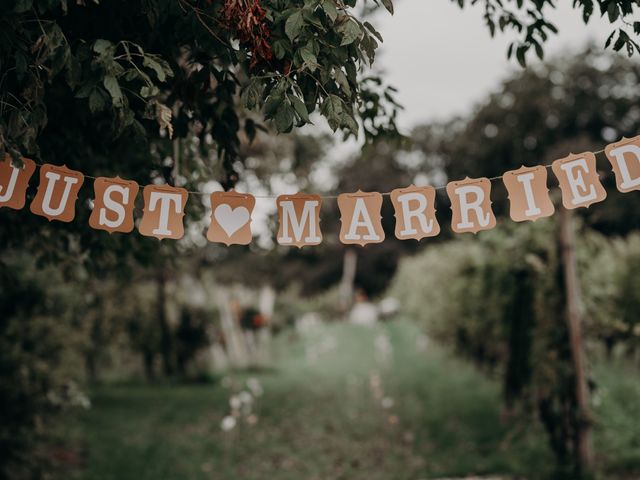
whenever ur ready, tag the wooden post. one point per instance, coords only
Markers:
(166, 341)
(349, 269)
(574, 324)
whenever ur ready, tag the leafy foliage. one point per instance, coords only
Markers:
(527, 18)
(182, 63)
(498, 300)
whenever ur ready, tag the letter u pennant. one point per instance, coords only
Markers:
(57, 193)
(14, 182)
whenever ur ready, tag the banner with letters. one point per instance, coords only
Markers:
(299, 214)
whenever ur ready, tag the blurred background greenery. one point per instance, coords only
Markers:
(125, 358)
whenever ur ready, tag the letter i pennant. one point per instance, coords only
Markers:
(528, 193)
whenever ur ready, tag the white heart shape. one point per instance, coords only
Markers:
(231, 219)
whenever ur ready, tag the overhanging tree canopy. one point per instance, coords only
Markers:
(123, 67)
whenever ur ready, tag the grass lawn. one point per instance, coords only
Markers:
(341, 402)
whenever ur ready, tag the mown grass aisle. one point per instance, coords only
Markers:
(340, 402)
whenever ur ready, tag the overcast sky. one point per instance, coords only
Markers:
(443, 60)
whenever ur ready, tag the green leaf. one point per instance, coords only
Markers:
(161, 70)
(373, 31)
(113, 87)
(22, 6)
(539, 51)
(369, 45)
(102, 46)
(309, 57)
(350, 32)
(609, 39)
(96, 101)
(349, 122)
(613, 12)
(271, 105)
(279, 48)
(341, 79)
(520, 56)
(293, 25)
(250, 129)
(284, 118)
(85, 90)
(149, 91)
(300, 108)
(388, 5)
(330, 9)
(21, 65)
(250, 96)
(332, 110)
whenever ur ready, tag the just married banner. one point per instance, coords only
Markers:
(299, 214)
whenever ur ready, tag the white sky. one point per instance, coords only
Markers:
(443, 60)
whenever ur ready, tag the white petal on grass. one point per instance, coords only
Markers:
(228, 423)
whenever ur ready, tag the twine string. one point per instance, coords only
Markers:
(273, 196)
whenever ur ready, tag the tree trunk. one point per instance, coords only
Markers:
(349, 269)
(574, 324)
(236, 348)
(166, 344)
(147, 360)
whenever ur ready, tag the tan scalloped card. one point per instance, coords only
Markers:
(14, 182)
(360, 218)
(57, 193)
(579, 182)
(113, 204)
(415, 212)
(163, 212)
(471, 205)
(528, 193)
(299, 220)
(624, 157)
(231, 218)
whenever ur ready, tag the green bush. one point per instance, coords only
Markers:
(498, 299)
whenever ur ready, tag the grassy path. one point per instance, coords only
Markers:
(342, 402)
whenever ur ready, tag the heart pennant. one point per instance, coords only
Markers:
(231, 218)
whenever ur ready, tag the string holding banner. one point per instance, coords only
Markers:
(299, 214)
